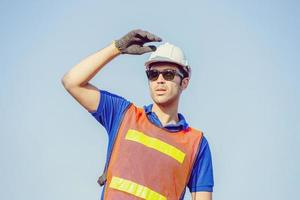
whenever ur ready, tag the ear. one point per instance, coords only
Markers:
(185, 83)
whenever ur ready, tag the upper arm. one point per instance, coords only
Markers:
(107, 108)
(88, 96)
(201, 195)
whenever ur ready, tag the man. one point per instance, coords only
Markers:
(152, 152)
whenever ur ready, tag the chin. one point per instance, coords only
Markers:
(163, 101)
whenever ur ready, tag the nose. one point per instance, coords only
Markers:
(160, 79)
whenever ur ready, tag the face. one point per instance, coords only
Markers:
(164, 92)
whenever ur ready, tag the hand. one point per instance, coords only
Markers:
(132, 42)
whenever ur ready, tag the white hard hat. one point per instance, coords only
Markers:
(169, 53)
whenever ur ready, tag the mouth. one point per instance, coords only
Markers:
(161, 88)
(160, 91)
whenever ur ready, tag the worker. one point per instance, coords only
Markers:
(153, 153)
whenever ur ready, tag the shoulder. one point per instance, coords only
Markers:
(110, 107)
(136, 111)
(112, 99)
(107, 94)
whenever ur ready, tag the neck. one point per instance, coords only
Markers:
(166, 114)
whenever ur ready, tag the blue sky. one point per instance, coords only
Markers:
(244, 91)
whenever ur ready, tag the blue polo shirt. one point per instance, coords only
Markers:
(109, 114)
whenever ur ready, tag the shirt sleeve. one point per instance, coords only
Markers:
(110, 110)
(202, 173)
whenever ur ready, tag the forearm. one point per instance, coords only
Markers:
(85, 70)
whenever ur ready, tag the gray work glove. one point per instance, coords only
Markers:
(132, 42)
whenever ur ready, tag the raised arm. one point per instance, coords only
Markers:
(76, 80)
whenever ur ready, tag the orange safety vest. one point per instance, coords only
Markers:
(148, 162)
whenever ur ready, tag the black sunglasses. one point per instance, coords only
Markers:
(168, 74)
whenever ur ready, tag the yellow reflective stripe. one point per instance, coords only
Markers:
(156, 144)
(135, 189)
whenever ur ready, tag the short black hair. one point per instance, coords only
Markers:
(184, 72)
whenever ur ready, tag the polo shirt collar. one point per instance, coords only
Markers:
(180, 125)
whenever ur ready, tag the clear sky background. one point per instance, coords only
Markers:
(244, 92)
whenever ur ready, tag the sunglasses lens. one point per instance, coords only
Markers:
(152, 75)
(168, 75)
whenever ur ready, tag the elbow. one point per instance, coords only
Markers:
(66, 82)
(70, 82)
